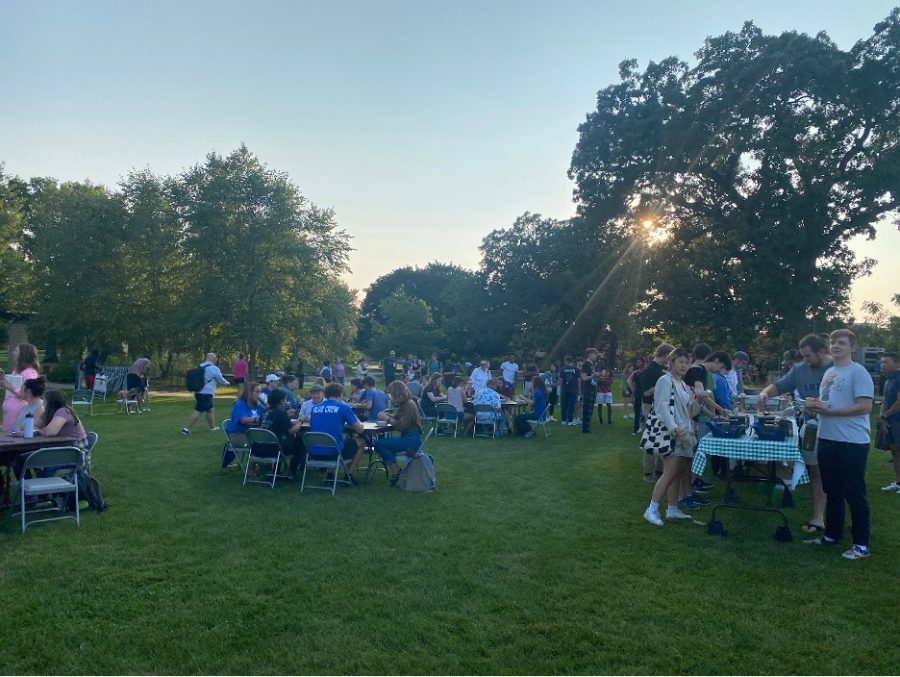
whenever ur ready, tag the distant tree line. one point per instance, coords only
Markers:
(713, 201)
(228, 256)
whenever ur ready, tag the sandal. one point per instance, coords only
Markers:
(810, 528)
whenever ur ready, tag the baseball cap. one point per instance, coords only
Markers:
(393, 353)
(316, 388)
(272, 377)
(741, 355)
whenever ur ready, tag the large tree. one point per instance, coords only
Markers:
(759, 164)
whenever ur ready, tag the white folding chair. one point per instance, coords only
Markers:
(92, 439)
(44, 458)
(542, 422)
(264, 450)
(100, 383)
(128, 402)
(83, 398)
(322, 452)
(447, 418)
(235, 444)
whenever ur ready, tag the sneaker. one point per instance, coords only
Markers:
(551, 418)
(893, 486)
(700, 500)
(653, 517)
(676, 514)
(856, 552)
(820, 540)
(394, 479)
(214, 428)
(687, 504)
(185, 431)
(701, 487)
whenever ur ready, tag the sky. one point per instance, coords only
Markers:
(424, 125)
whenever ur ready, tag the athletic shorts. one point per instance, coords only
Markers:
(809, 445)
(239, 380)
(204, 403)
(604, 398)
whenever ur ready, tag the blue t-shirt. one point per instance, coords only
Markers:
(329, 416)
(241, 410)
(540, 402)
(891, 391)
(722, 393)
(378, 400)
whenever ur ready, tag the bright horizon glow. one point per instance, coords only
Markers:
(424, 126)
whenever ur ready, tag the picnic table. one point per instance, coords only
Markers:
(750, 449)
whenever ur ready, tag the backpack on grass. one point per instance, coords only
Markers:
(195, 378)
(418, 475)
(88, 490)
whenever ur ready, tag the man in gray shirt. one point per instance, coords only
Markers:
(844, 404)
(805, 378)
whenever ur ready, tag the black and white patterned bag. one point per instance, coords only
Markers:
(656, 438)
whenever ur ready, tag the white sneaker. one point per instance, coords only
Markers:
(676, 514)
(893, 486)
(653, 517)
(551, 418)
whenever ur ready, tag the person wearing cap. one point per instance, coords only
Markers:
(389, 367)
(735, 376)
(212, 376)
(272, 383)
(316, 395)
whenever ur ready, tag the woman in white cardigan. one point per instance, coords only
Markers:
(674, 405)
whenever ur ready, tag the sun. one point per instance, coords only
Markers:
(655, 233)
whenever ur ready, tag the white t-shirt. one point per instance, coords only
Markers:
(480, 378)
(509, 370)
(840, 388)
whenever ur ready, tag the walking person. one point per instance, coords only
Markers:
(212, 377)
(845, 401)
(239, 370)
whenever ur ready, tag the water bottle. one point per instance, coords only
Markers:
(29, 426)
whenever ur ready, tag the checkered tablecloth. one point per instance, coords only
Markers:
(745, 449)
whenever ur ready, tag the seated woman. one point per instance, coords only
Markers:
(491, 397)
(33, 394)
(247, 411)
(432, 395)
(455, 397)
(538, 406)
(277, 420)
(407, 422)
(59, 420)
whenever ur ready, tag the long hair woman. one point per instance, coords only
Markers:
(25, 367)
(60, 420)
(406, 421)
(674, 405)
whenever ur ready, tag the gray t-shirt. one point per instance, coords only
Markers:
(840, 388)
(802, 378)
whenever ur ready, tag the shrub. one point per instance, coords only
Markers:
(62, 374)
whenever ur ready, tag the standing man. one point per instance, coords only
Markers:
(212, 376)
(646, 387)
(508, 371)
(531, 370)
(339, 371)
(603, 376)
(451, 370)
(889, 421)
(843, 407)
(804, 379)
(735, 374)
(239, 369)
(568, 386)
(389, 368)
(480, 376)
(136, 379)
(90, 367)
(588, 389)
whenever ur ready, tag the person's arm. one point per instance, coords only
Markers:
(890, 411)
(785, 384)
(861, 405)
(663, 393)
(52, 429)
(217, 374)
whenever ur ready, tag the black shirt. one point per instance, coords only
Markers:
(694, 374)
(587, 369)
(647, 378)
(568, 377)
(279, 423)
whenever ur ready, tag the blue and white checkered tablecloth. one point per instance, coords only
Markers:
(746, 449)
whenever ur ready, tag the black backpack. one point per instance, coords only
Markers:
(195, 378)
(88, 490)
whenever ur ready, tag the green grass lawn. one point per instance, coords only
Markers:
(532, 557)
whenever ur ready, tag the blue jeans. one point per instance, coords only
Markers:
(389, 447)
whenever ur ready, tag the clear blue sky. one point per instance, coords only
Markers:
(424, 125)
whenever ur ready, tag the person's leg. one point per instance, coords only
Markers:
(817, 494)
(637, 414)
(661, 489)
(895, 454)
(833, 485)
(551, 402)
(609, 412)
(211, 418)
(854, 457)
(587, 410)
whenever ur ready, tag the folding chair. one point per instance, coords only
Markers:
(322, 452)
(92, 439)
(491, 423)
(264, 450)
(128, 402)
(44, 458)
(446, 418)
(425, 418)
(83, 398)
(236, 446)
(100, 383)
(543, 422)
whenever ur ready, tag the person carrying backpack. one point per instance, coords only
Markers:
(212, 376)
